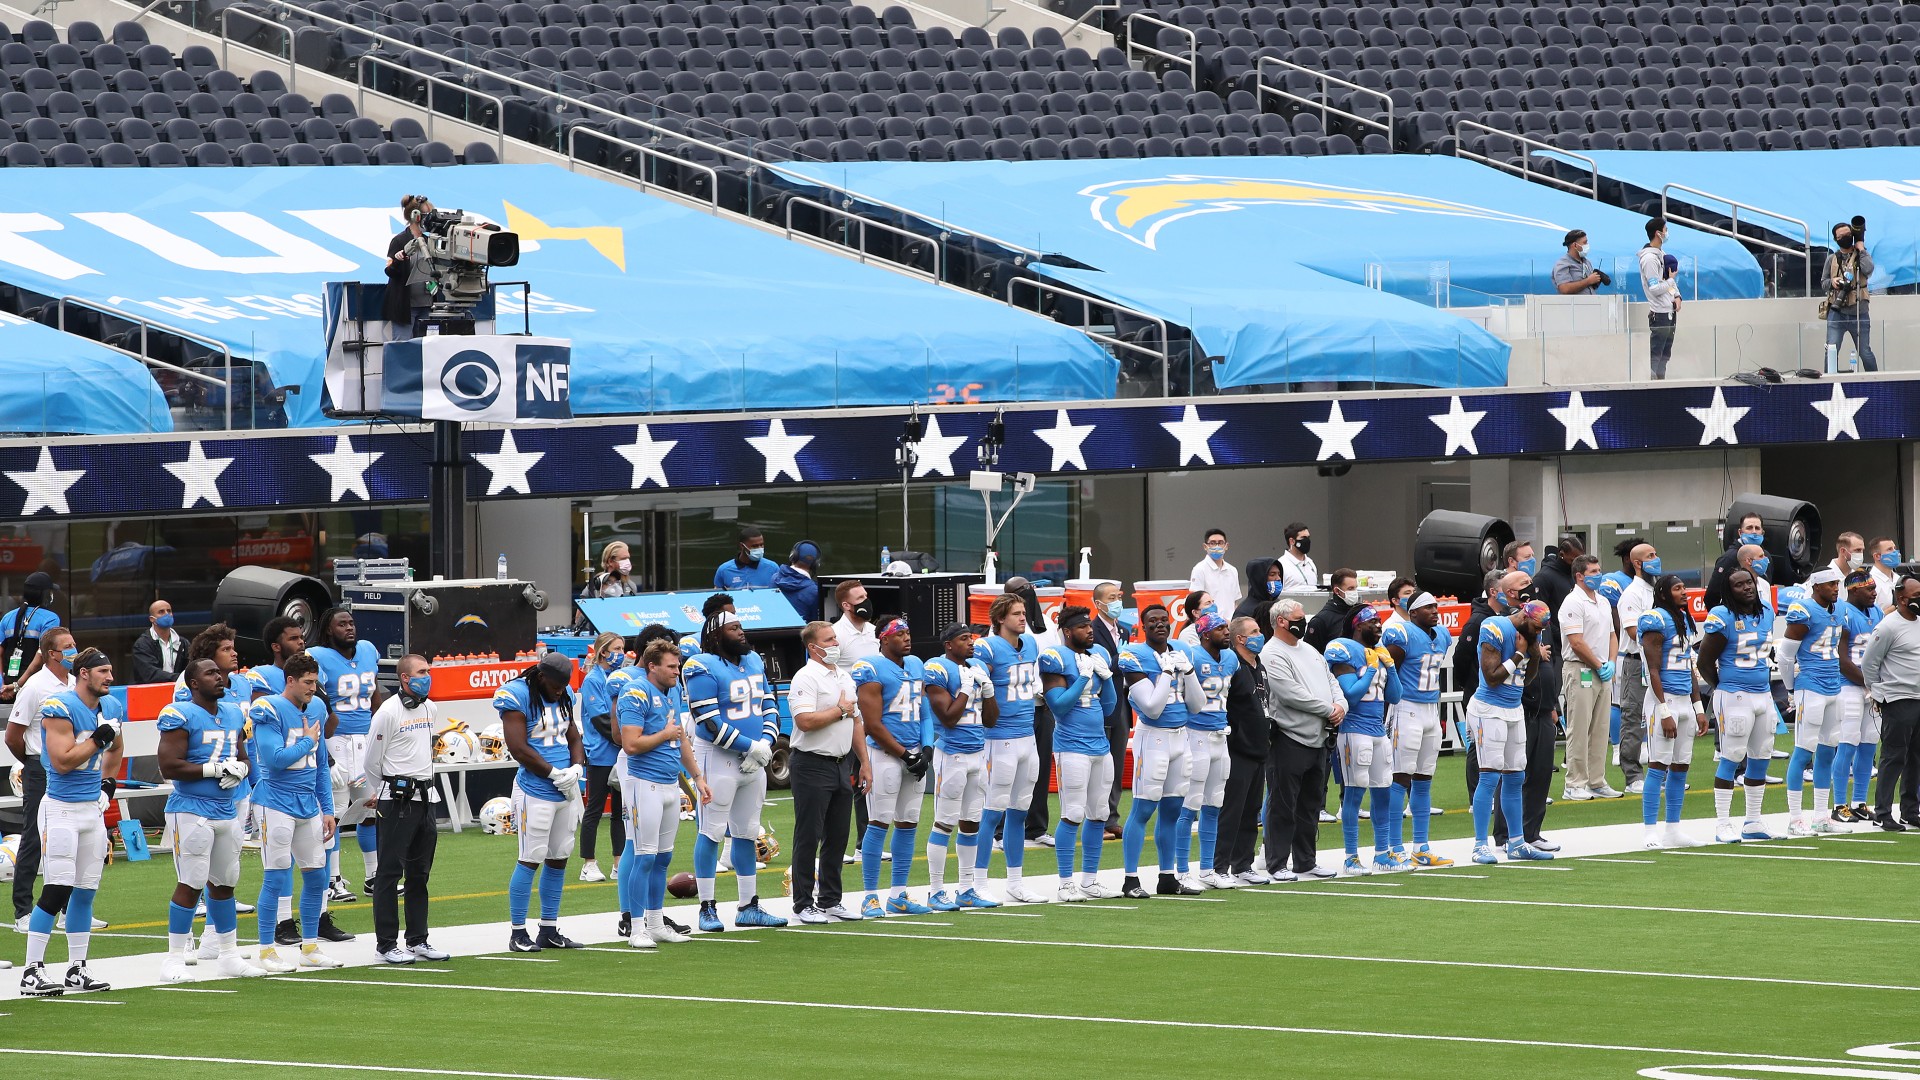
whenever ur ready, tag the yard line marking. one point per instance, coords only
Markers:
(1101, 906)
(735, 940)
(520, 959)
(1445, 875)
(1635, 862)
(1405, 961)
(85, 1001)
(1530, 866)
(1800, 858)
(896, 920)
(1195, 899)
(409, 969)
(1382, 884)
(1857, 840)
(193, 990)
(627, 950)
(984, 1014)
(1789, 847)
(436, 1071)
(1002, 914)
(150, 937)
(1590, 907)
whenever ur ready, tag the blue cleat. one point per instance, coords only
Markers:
(1524, 852)
(904, 905)
(941, 901)
(1353, 867)
(1484, 855)
(872, 909)
(971, 899)
(710, 919)
(1386, 862)
(750, 914)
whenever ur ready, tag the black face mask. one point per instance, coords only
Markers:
(1298, 628)
(863, 611)
(1303, 544)
(1913, 607)
(1846, 242)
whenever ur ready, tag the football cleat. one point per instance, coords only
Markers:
(1822, 827)
(312, 957)
(1353, 867)
(425, 951)
(666, 935)
(709, 920)
(235, 966)
(1526, 852)
(521, 941)
(1171, 885)
(1427, 860)
(286, 932)
(1386, 862)
(1192, 882)
(172, 970)
(330, 932)
(1843, 814)
(678, 927)
(209, 948)
(590, 872)
(639, 939)
(1018, 893)
(1653, 841)
(339, 893)
(1484, 855)
(872, 908)
(1754, 830)
(396, 955)
(1726, 832)
(551, 938)
(624, 928)
(1070, 893)
(942, 901)
(904, 905)
(273, 963)
(1862, 814)
(79, 982)
(751, 914)
(1799, 827)
(1097, 891)
(35, 983)
(1132, 890)
(1676, 838)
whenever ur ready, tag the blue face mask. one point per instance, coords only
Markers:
(1592, 581)
(755, 553)
(419, 685)
(1210, 609)
(1651, 566)
(68, 656)
(1256, 642)
(1112, 609)
(1760, 565)
(615, 659)
(1756, 539)
(1528, 565)
(1890, 559)
(164, 622)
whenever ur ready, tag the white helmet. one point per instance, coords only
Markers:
(449, 723)
(493, 743)
(17, 780)
(496, 817)
(456, 747)
(6, 864)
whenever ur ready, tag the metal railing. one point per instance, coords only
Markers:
(1325, 80)
(1523, 169)
(865, 224)
(145, 324)
(646, 152)
(432, 79)
(1191, 60)
(226, 38)
(1734, 207)
(1084, 16)
(1164, 354)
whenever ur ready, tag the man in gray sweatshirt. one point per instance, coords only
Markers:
(1304, 702)
(1892, 670)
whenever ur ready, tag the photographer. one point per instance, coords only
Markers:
(1573, 275)
(1847, 273)
(400, 754)
(407, 300)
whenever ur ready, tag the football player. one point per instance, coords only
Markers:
(80, 747)
(349, 671)
(1214, 663)
(537, 718)
(1509, 649)
(648, 728)
(960, 693)
(1859, 720)
(597, 701)
(295, 795)
(217, 643)
(1675, 714)
(1367, 678)
(203, 752)
(284, 640)
(890, 687)
(1418, 646)
(1733, 657)
(1810, 652)
(1077, 676)
(1012, 657)
(734, 725)
(1159, 678)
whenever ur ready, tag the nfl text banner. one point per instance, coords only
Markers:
(494, 379)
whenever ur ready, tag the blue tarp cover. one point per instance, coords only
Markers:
(59, 384)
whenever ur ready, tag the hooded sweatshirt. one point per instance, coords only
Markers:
(1554, 583)
(1261, 594)
(800, 590)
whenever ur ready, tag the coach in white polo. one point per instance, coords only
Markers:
(1588, 644)
(828, 763)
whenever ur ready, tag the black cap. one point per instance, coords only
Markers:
(1572, 235)
(954, 631)
(89, 659)
(558, 666)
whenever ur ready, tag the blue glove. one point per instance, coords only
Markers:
(1606, 671)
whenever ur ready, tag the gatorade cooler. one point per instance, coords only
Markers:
(1052, 599)
(979, 599)
(1170, 593)
(1080, 591)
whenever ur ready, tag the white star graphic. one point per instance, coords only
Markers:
(934, 455)
(1839, 411)
(346, 468)
(199, 475)
(648, 457)
(1458, 424)
(1718, 419)
(1336, 434)
(45, 485)
(507, 470)
(1578, 418)
(1065, 437)
(1193, 434)
(781, 450)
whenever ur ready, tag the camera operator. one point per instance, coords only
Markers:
(400, 753)
(407, 300)
(1573, 275)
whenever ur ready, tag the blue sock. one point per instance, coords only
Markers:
(313, 899)
(655, 893)
(1823, 766)
(222, 916)
(1613, 725)
(1676, 794)
(1650, 792)
(368, 837)
(1422, 799)
(640, 891)
(1377, 800)
(1511, 807)
(80, 911)
(1013, 838)
(746, 853)
(1166, 829)
(274, 884)
(1396, 809)
(1842, 773)
(983, 852)
(1797, 768)
(624, 887)
(1726, 770)
(1183, 839)
(706, 858)
(1350, 818)
(519, 895)
(969, 849)
(1133, 835)
(552, 880)
(870, 846)
(1092, 835)
(1064, 836)
(1862, 770)
(1483, 793)
(905, 839)
(1757, 768)
(179, 920)
(40, 921)
(1209, 835)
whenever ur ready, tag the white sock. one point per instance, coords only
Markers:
(371, 859)
(1013, 876)
(1723, 803)
(1087, 879)
(333, 864)
(749, 884)
(653, 920)
(36, 947)
(937, 859)
(286, 908)
(1756, 797)
(705, 886)
(77, 946)
(180, 944)
(1820, 797)
(1793, 803)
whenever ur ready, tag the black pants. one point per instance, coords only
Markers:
(1240, 814)
(408, 836)
(26, 861)
(1542, 734)
(1297, 784)
(1117, 740)
(1660, 329)
(823, 801)
(601, 787)
(1899, 760)
(1037, 821)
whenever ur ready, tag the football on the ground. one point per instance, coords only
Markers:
(680, 886)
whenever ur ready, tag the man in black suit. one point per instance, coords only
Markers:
(160, 653)
(1108, 635)
(1249, 739)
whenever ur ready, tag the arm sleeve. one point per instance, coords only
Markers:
(1354, 684)
(322, 776)
(1190, 688)
(276, 750)
(770, 712)
(1149, 696)
(377, 734)
(1061, 699)
(1108, 696)
(1787, 654)
(1393, 687)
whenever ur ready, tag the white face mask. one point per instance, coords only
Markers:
(830, 655)
(625, 566)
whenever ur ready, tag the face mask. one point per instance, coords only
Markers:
(419, 685)
(68, 656)
(1112, 609)
(863, 610)
(614, 660)
(1651, 567)
(1913, 607)
(1760, 565)
(1210, 609)
(1855, 560)
(164, 622)
(755, 553)
(1846, 242)
(1756, 539)
(1256, 642)
(1216, 553)
(625, 566)
(1298, 628)
(1591, 581)
(1303, 544)
(1528, 565)
(830, 655)
(1890, 559)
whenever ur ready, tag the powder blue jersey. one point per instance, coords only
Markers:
(547, 729)
(596, 700)
(1860, 624)
(1677, 655)
(649, 708)
(82, 785)
(348, 685)
(211, 737)
(1214, 676)
(1016, 682)
(730, 576)
(1743, 663)
(1817, 664)
(239, 689)
(267, 679)
(1426, 658)
(1081, 729)
(969, 736)
(1499, 632)
(1141, 659)
(731, 703)
(290, 769)
(903, 696)
(1367, 687)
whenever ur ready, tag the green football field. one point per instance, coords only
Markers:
(1784, 959)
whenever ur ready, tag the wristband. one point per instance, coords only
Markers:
(108, 785)
(210, 770)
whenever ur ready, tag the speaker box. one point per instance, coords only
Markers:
(1452, 552)
(930, 602)
(251, 596)
(1793, 534)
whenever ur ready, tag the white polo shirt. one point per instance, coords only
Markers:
(1297, 574)
(1590, 616)
(817, 687)
(1220, 580)
(1635, 600)
(26, 704)
(856, 643)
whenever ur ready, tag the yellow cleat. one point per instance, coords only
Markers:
(1427, 860)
